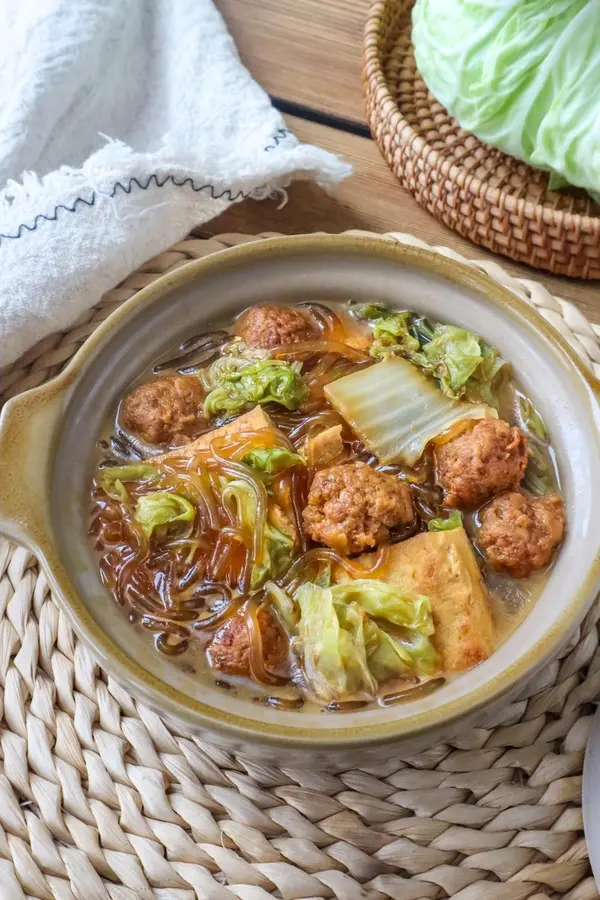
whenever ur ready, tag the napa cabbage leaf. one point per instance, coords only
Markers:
(389, 656)
(332, 647)
(395, 409)
(383, 601)
(462, 362)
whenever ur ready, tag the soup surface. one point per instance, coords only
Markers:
(326, 504)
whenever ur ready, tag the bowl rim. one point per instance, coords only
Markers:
(180, 707)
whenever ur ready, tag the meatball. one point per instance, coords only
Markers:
(268, 326)
(165, 411)
(352, 507)
(519, 533)
(488, 459)
(229, 650)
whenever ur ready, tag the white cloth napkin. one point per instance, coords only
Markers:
(139, 122)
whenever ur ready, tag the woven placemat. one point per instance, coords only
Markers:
(485, 195)
(100, 799)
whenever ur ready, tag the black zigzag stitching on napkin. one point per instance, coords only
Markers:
(127, 188)
(278, 137)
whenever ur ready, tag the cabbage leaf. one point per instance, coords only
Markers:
(370, 311)
(112, 479)
(266, 381)
(160, 509)
(531, 419)
(540, 476)
(382, 601)
(396, 410)
(522, 75)
(462, 362)
(344, 652)
(390, 656)
(272, 459)
(332, 647)
(391, 334)
(277, 550)
(454, 520)
(278, 555)
(284, 604)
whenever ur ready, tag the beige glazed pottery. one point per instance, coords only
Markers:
(47, 439)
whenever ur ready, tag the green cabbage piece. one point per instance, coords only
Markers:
(452, 356)
(343, 651)
(278, 556)
(371, 311)
(266, 381)
(391, 334)
(522, 75)
(382, 601)
(111, 479)
(454, 520)
(332, 647)
(277, 548)
(160, 509)
(389, 655)
(273, 459)
(284, 605)
(359, 678)
(463, 363)
(539, 475)
(386, 658)
(531, 419)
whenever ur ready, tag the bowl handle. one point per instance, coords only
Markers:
(27, 431)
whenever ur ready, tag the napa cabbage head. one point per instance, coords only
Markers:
(522, 75)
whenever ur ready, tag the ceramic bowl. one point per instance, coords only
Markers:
(47, 439)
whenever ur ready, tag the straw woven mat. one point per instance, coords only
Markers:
(99, 800)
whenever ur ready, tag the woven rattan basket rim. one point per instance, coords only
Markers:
(99, 799)
(383, 109)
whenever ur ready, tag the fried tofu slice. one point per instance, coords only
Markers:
(325, 448)
(255, 420)
(442, 565)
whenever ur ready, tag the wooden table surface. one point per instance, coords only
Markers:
(307, 55)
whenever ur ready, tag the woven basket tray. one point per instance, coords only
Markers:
(100, 800)
(485, 195)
